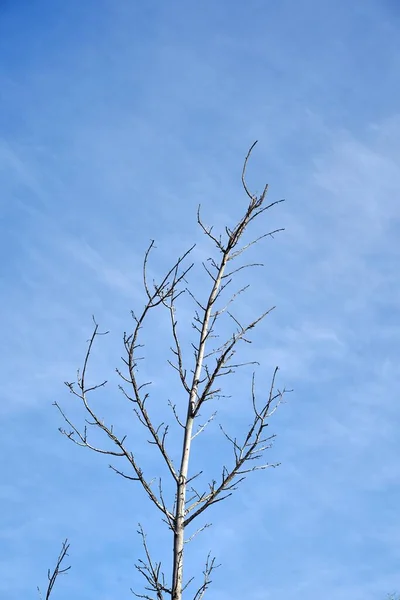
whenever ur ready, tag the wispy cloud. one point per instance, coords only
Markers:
(116, 122)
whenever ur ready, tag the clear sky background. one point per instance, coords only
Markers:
(117, 118)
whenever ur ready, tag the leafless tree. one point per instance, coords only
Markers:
(200, 382)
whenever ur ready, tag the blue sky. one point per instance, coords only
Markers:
(116, 119)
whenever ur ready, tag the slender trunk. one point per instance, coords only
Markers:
(179, 541)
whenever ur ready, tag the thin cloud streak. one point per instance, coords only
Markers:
(113, 138)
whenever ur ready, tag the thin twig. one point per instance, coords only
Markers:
(57, 571)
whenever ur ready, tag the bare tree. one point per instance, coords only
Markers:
(200, 383)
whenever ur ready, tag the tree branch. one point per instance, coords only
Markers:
(58, 570)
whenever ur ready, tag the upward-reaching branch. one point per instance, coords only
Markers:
(57, 571)
(227, 248)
